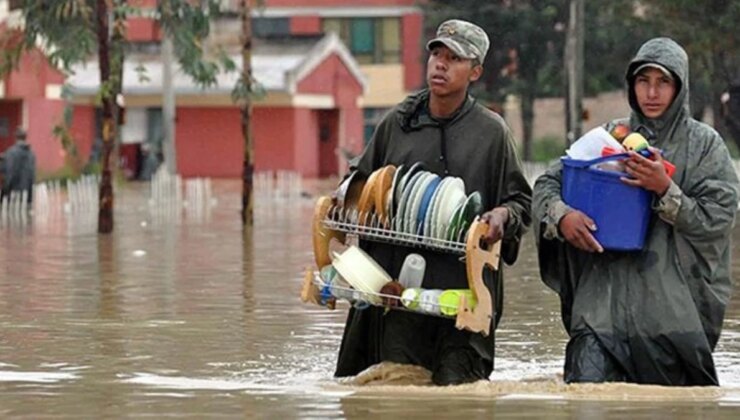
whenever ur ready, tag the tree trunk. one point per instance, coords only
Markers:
(700, 98)
(719, 85)
(732, 114)
(246, 113)
(105, 206)
(527, 109)
(168, 105)
(574, 70)
(117, 40)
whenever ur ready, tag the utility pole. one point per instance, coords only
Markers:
(574, 71)
(168, 107)
(246, 113)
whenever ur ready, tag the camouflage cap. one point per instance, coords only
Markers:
(464, 38)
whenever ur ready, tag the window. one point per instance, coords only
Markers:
(391, 40)
(362, 39)
(371, 40)
(267, 27)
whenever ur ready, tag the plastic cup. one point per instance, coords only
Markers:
(429, 301)
(450, 299)
(410, 298)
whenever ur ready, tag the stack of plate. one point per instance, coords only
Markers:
(421, 184)
(366, 195)
(425, 204)
(418, 202)
(448, 197)
(374, 192)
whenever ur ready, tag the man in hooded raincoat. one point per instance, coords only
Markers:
(19, 168)
(445, 129)
(652, 316)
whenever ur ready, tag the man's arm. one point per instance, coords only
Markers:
(512, 217)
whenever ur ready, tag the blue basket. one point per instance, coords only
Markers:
(621, 212)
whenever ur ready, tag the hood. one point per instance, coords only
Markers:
(669, 54)
(413, 112)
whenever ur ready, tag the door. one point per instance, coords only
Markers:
(329, 152)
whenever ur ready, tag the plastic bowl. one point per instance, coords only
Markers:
(361, 271)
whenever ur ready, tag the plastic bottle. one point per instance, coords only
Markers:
(412, 271)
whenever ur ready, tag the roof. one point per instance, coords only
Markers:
(277, 64)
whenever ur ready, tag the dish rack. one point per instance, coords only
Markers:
(334, 223)
(369, 226)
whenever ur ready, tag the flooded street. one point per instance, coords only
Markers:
(179, 313)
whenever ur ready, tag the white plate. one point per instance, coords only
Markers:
(405, 179)
(409, 196)
(390, 204)
(450, 233)
(437, 205)
(428, 225)
(411, 201)
(425, 207)
(440, 205)
(454, 197)
(403, 202)
(411, 224)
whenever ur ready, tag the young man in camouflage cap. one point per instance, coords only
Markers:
(445, 129)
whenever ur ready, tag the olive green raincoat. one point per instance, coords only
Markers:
(655, 315)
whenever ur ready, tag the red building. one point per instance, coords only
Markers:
(322, 97)
(310, 109)
(385, 36)
(30, 97)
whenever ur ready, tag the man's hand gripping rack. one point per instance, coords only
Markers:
(326, 228)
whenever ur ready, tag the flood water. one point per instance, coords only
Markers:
(181, 314)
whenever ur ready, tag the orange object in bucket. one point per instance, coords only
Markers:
(670, 168)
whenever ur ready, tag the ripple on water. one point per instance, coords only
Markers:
(36, 376)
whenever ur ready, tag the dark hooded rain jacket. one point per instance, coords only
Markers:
(474, 144)
(651, 316)
(19, 169)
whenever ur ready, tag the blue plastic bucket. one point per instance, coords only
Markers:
(621, 212)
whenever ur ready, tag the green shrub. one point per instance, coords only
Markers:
(64, 174)
(547, 148)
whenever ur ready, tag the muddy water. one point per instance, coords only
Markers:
(181, 314)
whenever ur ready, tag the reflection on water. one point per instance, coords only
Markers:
(183, 313)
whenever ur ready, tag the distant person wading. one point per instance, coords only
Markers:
(18, 168)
